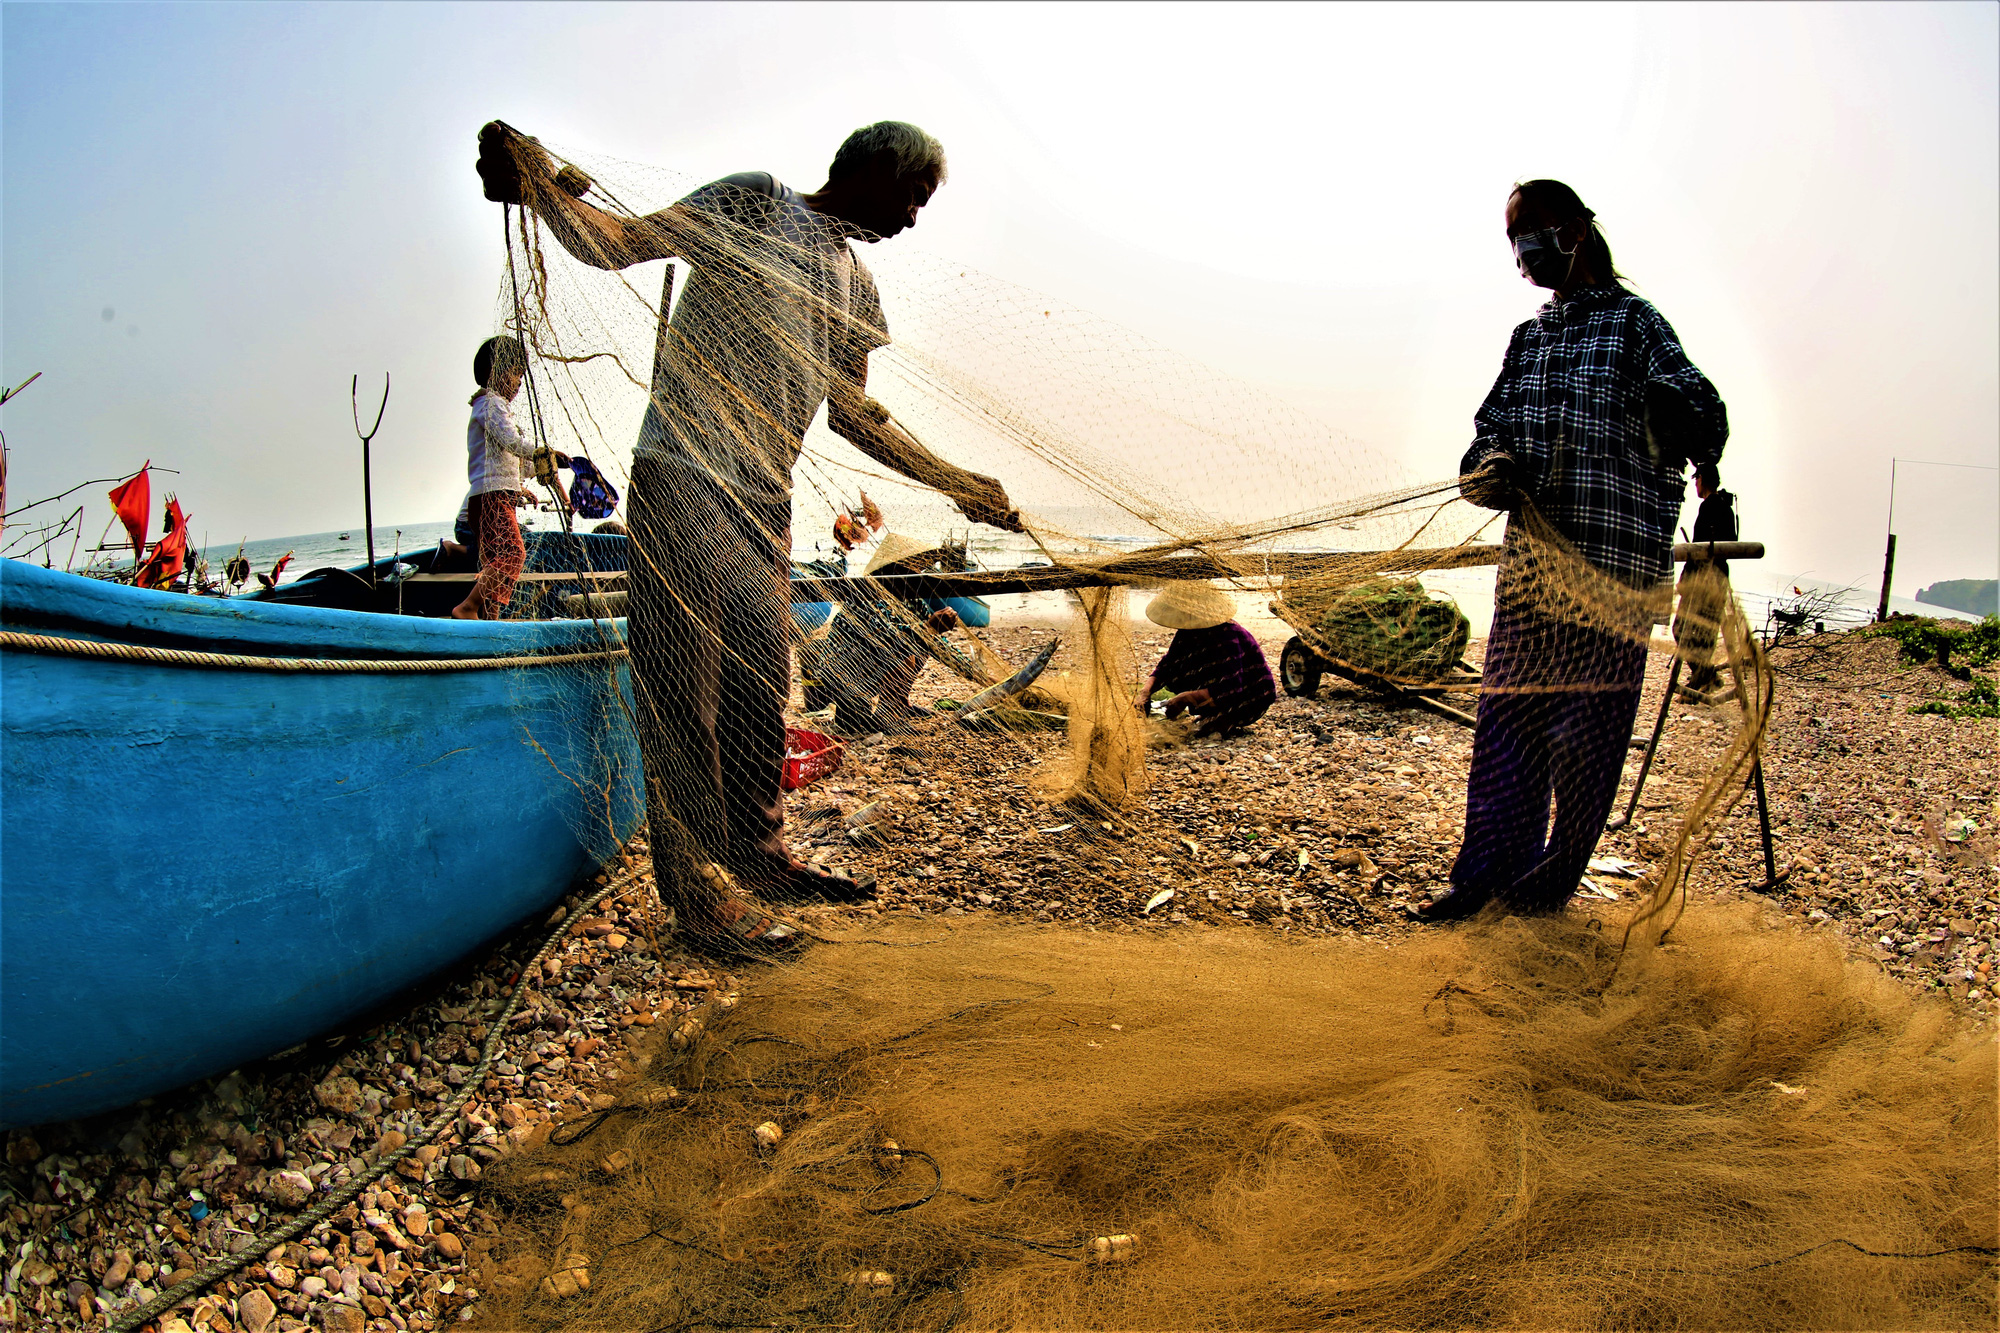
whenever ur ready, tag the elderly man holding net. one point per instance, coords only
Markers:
(777, 316)
(1582, 441)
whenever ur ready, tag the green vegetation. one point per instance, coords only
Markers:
(1982, 700)
(1940, 641)
(1397, 628)
(1957, 650)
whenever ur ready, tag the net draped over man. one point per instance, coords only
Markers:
(777, 317)
(1581, 441)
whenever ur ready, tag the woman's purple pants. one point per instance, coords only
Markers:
(1555, 721)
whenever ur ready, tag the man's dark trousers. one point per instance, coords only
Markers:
(710, 633)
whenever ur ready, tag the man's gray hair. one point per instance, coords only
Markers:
(916, 153)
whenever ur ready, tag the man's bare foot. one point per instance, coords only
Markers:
(467, 610)
(1455, 904)
(731, 927)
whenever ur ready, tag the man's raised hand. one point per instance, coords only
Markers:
(504, 154)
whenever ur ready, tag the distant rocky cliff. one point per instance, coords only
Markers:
(1978, 597)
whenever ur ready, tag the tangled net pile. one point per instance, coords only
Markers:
(1511, 1127)
(1528, 1123)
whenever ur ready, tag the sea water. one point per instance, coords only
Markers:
(323, 550)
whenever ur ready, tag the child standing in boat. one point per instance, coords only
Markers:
(494, 463)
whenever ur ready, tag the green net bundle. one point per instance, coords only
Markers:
(1395, 628)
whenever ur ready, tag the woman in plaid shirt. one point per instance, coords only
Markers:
(1595, 413)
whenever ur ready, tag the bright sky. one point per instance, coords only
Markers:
(215, 214)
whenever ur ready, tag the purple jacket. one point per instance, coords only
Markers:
(1228, 662)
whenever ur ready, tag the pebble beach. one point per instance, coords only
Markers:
(1331, 818)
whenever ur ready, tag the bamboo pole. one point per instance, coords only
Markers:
(1888, 569)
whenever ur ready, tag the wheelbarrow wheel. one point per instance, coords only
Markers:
(1299, 668)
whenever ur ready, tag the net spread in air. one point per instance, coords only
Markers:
(1527, 1123)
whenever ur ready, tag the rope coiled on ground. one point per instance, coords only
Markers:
(180, 657)
(345, 1194)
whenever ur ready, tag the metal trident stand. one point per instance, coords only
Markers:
(367, 487)
(1772, 879)
(1617, 822)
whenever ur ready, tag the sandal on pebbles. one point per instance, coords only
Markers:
(740, 929)
(815, 884)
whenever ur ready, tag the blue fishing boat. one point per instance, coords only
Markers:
(227, 824)
(973, 612)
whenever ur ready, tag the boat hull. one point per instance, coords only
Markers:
(199, 867)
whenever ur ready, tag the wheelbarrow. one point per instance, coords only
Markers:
(1307, 657)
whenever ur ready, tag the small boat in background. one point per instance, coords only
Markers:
(559, 567)
(230, 824)
(973, 612)
(347, 536)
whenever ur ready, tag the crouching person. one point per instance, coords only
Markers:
(1215, 667)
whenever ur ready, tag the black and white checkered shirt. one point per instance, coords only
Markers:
(1571, 407)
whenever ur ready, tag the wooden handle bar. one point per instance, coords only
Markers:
(1050, 578)
(1149, 567)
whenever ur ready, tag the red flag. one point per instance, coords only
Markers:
(133, 503)
(169, 555)
(270, 580)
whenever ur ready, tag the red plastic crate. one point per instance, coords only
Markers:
(817, 756)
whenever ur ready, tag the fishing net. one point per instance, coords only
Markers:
(1518, 1126)
(1528, 1122)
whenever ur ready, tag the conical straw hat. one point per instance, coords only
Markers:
(896, 549)
(1191, 606)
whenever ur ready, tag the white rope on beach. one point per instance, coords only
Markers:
(178, 657)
